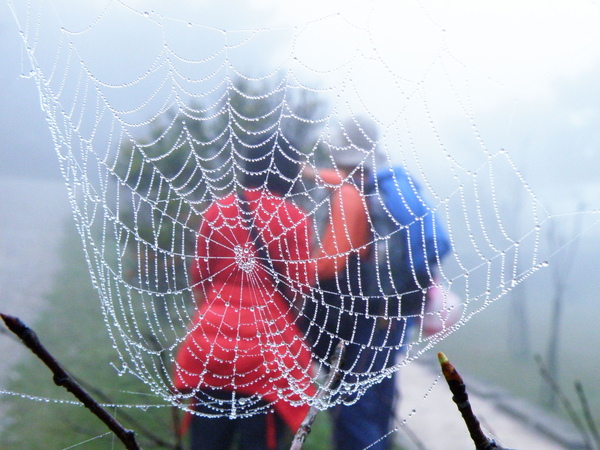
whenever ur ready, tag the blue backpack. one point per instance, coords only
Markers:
(409, 240)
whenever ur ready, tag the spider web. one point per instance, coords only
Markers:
(156, 117)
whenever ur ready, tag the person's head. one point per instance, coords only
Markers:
(270, 161)
(355, 143)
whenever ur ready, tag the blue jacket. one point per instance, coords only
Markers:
(402, 198)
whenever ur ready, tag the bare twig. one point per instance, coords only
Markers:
(587, 414)
(62, 378)
(461, 398)
(561, 274)
(142, 430)
(545, 372)
(334, 374)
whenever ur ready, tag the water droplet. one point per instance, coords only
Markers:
(244, 257)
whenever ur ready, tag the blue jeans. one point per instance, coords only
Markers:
(370, 418)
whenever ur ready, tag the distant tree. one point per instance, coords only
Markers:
(558, 238)
(194, 154)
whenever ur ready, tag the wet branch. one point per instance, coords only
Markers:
(587, 414)
(566, 404)
(334, 375)
(461, 398)
(142, 430)
(62, 378)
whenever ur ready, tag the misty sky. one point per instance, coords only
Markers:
(26, 145)
(451, 87)
(523, 72)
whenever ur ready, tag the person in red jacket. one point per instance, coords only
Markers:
(244, 351)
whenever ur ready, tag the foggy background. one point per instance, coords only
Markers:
(520, 78)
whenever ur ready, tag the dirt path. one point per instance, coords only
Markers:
(437, 423)
(32, 219)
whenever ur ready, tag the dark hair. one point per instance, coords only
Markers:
(272, 162)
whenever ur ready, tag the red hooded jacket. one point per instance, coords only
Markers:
(243, 336)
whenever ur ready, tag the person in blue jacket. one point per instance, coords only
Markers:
(368, 421)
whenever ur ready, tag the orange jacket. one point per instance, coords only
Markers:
(347, 230)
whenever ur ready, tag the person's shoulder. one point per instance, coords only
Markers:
(331, 177)
(220, 205)
(390, 172)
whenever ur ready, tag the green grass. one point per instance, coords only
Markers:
(73, 330)
(319, 437)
